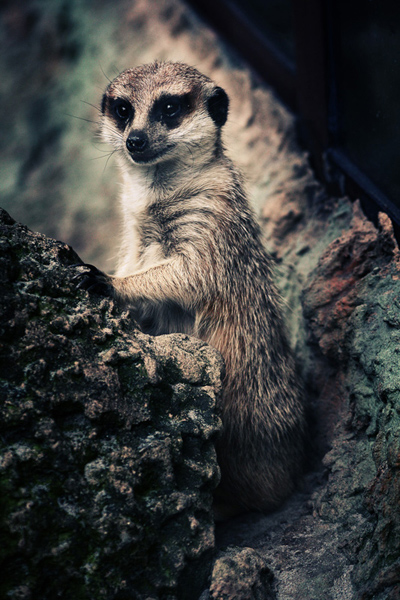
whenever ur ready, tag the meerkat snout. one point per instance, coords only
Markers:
(137, 141)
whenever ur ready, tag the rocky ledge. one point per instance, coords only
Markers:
(107, 461)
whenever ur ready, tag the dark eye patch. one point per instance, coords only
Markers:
(170, 109)
(122, 111)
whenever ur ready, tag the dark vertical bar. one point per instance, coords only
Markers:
(312, 76)
(232, 22)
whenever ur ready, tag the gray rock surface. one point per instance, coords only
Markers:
(338, 539)
(241, 574)
(107, 461)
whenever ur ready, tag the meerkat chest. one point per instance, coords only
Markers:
(151, 255)
(142, 245)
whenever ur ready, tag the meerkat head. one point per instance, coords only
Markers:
(161, 112)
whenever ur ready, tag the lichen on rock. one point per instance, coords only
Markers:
(107, 462)
(352, 307)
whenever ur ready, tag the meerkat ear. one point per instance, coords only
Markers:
(218, 105)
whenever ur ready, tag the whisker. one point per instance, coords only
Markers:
(81, 118)
(116, 69)
(106, 76)
(102, 151)
(105, 166)
(101, 157)
(92, 105)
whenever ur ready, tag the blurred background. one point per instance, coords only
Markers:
(56, 58)
(335, 65)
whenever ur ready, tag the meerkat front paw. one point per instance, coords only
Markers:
(93, 280)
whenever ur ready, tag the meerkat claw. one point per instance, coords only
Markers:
(93, 281)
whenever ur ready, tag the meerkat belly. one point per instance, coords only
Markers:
(135, 255)
(163, 317)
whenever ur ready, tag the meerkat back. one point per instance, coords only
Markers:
(192, 261)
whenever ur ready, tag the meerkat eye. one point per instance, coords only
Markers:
(172, 108)
(123, 110)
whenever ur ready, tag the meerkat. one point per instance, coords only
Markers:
(192, 261)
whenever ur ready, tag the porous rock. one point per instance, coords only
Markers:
(107, 463)
(241, 573)
(352, 307)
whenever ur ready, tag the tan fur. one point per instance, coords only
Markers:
(191, 261)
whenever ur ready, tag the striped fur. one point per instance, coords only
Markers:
(192, 261)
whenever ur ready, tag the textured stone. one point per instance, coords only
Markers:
(241, 574)
(353, 317)
(107, 461)
(338, 539)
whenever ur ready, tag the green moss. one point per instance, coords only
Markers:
(132, 376)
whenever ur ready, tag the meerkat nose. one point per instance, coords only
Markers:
(137, 141)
